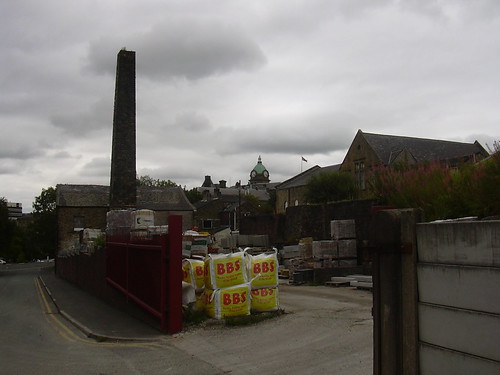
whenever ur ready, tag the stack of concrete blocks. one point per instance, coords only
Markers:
(344, 233)
(338, 252)
(118, 222)
(325, 254)
(137, 224)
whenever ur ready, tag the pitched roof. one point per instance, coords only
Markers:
(387, 147)
(148, 197)
(303, 178)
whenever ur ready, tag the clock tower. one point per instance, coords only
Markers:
(259, 173)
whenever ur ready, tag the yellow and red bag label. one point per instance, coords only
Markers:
(225, 270)
(265, 299)
(227, 302)
(193, 272)
(263, 270)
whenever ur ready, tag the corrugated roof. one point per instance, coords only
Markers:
(387, 147)
(152, 198)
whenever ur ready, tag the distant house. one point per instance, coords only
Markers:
(292, 191)
(369, 150)
(221, 206)
(86, 206)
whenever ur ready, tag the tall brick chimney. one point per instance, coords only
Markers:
(123, 190)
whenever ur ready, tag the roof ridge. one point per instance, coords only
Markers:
(418, 138)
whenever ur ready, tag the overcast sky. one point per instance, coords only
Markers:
(221, 82)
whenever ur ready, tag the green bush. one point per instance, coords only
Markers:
(442, 193)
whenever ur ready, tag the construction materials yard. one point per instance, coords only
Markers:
(324, 330)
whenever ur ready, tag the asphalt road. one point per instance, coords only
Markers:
(324, 331)
(35, 339)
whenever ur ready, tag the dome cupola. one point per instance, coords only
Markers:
(259, 173)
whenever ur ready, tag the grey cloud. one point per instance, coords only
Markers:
(190, 48)
(192, 122)
(20, 149)
(97, 167)
(99, 116)
(316, 134)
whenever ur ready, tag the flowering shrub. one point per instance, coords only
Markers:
(470, 190)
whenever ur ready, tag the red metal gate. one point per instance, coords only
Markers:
(149, 272)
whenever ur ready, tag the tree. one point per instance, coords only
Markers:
(193, 195)
(7, 231)
(330, 187)
(149, 181)
(42, 232)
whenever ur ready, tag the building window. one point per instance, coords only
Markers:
(78, 223)
(207, 224)
(359, 168)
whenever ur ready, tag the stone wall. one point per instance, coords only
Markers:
(93, 217)
(310, 221)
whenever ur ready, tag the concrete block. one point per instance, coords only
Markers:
(474, 288)
(306, 248)
(475, 243)
(434, 360)
(348, 262)
(464, 331)
(320, 249)
(342, 229)
(347, 249)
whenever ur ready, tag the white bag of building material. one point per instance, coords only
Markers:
(227, 302)
(188, 293)
(142, 219)
(225, 270)
(263, 269)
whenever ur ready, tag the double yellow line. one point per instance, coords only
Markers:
(54, 318)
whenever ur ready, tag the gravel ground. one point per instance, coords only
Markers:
(324, 330)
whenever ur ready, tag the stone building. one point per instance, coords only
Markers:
(292, 191)
(80, 207)
(369, 150)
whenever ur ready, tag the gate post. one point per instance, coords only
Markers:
(174, 276)
(395, 295)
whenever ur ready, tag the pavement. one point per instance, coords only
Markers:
(94, 317)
